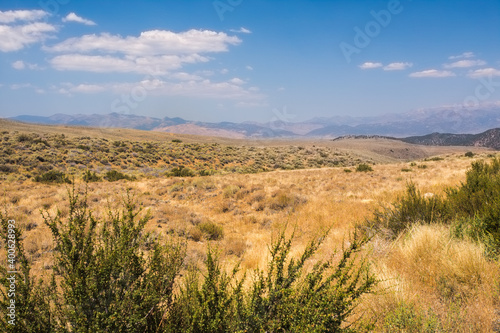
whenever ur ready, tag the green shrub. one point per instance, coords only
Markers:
(363, 167)
(409, 209)
(405, 170)
(284, 298)
(347, 170)
(478, 201)
(176, 140)
(212, 230)
(104, 281)
(53, 176)
(469, 154)
(181, 171)
(90, 177)
(114, 175)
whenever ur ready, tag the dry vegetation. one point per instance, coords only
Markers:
(430, 281)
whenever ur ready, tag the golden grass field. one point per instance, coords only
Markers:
(427, 276)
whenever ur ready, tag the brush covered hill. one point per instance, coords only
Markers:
(489, 138)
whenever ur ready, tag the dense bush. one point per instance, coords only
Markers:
(363, 167)
(181, 171)
(53, 176)
(114, 176)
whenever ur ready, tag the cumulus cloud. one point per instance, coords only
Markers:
(72, 17)
(16, 37)
(398, 66)
(432, 73)
(11, 16)
(483, 72)
(370, 65)
(465, 64)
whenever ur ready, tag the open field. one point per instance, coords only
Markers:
(430, 281)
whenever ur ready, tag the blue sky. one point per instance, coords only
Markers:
(247, 60)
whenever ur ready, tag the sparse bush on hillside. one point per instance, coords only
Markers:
(363, 167)
(53, 176)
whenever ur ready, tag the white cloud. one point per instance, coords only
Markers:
(483, 72)
(152, 65)
(88, 88)
(464, 55)
(432, 73)
(241, 30)
(193, 88)
(11, 16)
(185, 76)
(19, 64)
(21, 86)
(398, 66)
(237, 81)
(250, 68)
(465, 64)
(370, 65)
(72, 17)
(148, 43)
(14, 38)
(224, 71)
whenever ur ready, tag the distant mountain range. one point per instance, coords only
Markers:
(415, 123)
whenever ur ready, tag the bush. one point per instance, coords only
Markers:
(363, 167)
(53, 176)
(90, 177)
(114, 175)
(469, 154)
(409, 209)
(478, 201)
(104, 282)
(284, 298)
(181, 171)
(211, 230)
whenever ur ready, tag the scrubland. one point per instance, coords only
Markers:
(428, 278)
